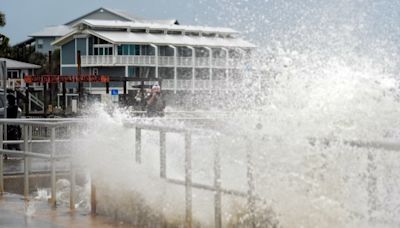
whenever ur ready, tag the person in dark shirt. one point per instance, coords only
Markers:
(155, 102)
(12, 108)
(13, 131)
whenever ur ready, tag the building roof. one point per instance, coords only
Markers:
(134, 18)
(122, 15)
(141, 25)
(156, 31)
(101, 9)
(62, 30)
(164, 21)
(23, 43)
(53, 31)
(14, 64)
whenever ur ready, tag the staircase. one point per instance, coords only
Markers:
(35, 104)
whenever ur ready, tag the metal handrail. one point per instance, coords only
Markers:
(27, 152)
(140, 124)
(251, 195)
(188, 182)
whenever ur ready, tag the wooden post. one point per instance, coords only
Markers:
(163, 154)
(78, 59)
(3, 73)
(1, 162)
(125, 93)
(45, 103)
(188, 179)
(93, 203)
(138, 145)
(51, 85)
(27, 101)
(64, 94)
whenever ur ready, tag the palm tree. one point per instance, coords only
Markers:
(3, 39)
(2, 19)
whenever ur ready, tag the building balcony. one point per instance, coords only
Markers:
(163, 61)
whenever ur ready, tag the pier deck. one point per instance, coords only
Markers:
(16, 213)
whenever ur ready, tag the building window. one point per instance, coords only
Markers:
(126, 49)
(147, 50)
(137, 50)
(131, 71)
(40, 43)
(97, 40)
(103, 50)
(95, 71)
(12, 74)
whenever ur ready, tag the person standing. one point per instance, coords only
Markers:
(13, 131)
(155, 102)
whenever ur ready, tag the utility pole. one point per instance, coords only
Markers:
(51, 84)
(78, 59)
(3, 72)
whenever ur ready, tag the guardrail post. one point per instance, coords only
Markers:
(73, 184)
(30, 130)
(1, 162)
(163, 154)
(93, 202)
(250, 181)
(372, 188)
(138, 145)
(53, 167)
(188, 179)
(26, 163)
(217, 185)
(72, 195)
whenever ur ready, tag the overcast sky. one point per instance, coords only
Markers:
(260, 20)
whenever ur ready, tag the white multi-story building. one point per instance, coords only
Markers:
(183, 58)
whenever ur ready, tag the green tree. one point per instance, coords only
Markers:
(39, 59)
(55, 68)
(4, 48)
(3, 39)
(27, 53)
(2, 19)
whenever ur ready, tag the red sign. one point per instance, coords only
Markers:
(29, 79)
